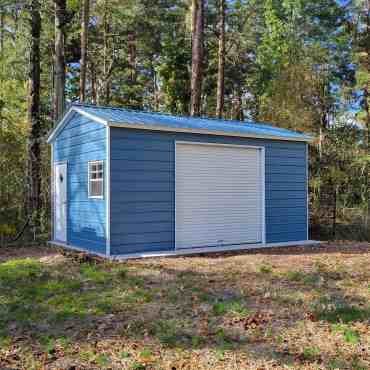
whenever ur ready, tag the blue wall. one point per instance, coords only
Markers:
(80, 141)
(143, 197)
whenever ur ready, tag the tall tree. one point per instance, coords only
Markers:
(2, 29)
(59, 64)
(221, 62)
(34, 147)
(84, 43)
(197, 28)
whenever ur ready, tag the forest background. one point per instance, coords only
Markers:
(298, 64)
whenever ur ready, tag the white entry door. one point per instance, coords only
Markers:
(60, 202)
(219, 195)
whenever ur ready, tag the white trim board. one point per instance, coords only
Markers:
(183, 252)
(108, 190)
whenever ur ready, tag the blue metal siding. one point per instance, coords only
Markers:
(80, 141)
(143, 188)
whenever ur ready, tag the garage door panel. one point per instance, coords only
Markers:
(218, 195)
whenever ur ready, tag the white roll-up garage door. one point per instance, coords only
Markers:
(219, 195)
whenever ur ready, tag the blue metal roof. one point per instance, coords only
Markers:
(150, 120)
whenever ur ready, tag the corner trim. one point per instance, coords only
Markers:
(108, 187)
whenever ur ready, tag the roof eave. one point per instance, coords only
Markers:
(205, 132)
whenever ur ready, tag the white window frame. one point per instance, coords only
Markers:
(89, 163)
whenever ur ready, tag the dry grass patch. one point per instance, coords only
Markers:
(298, 308)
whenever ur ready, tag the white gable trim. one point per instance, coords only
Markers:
(54, 132)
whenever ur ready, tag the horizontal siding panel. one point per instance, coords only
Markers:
(277, 219)
(91, 136)
(287, 170)
(280, 177)
(127, 143)
(145, 237)
(133, 165)
(287, 227)
(137, 207)
(135, 134)
(90, 219)
(285, 153)
(294, 235)
(158, 196)
(94, 140)
(285, 161)
(138, 228)
(129, 218)
(283, 212)
(286, 195)
(140, 186)
(147, 176)
(79, 148)
(279, 203)
(285, 187)
(147, 155)
(88, 230)
(92, 131)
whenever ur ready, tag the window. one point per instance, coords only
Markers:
(96, 179)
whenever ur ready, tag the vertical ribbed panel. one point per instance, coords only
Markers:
(218, 195)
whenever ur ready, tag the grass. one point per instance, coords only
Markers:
(234, 307)
(292, 310)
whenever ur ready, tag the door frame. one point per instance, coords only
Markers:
(54, 197)
(261, 150)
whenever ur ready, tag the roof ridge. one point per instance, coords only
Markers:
(170, 114)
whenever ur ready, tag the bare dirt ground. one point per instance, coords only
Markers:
(298, 308)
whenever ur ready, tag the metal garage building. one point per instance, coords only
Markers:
(129, 183)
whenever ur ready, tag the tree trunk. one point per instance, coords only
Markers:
(106, 79)
(221, 63)
(366, 97)
(84, 42)
(131, 43)
(34, 149)
(2, 31)
(60, 73)
(197, 56)
(93, 82)
(237, 107)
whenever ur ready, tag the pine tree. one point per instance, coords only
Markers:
(197, 56)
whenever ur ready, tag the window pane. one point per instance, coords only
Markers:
(96, 188)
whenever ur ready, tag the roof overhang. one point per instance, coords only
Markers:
(204, 131)
(144, 126)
